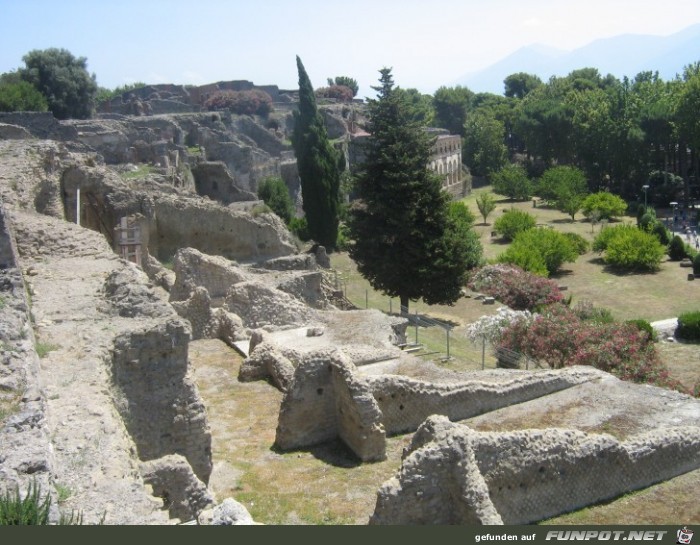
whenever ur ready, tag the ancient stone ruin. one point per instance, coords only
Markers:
(123, 238)
(363, 410)
(452, 474)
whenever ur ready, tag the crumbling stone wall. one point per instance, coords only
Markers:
(171, 478)
(160, 404)
(260, 305)
(214, 180)
(208, 322)
(326, 401)
(405, 403)
(214, 273)
(452, 474)
(217, 230)
(397, 405)
(25, 450)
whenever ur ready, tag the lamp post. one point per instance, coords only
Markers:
(645, 188)
(674, 204)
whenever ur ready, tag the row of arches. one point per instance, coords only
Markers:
(450, 168)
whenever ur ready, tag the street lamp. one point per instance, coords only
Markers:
(645, 188)
(674, 204)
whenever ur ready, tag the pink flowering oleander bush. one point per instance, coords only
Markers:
(559, 338)
(241, 102)
(514, 287)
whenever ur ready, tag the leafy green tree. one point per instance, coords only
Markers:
(319, 166)
(104, 94)
(273, 191)
(513, 222)
(553, 247)
(409, 242)
(345, 81)
(512, 181)
(451, 107)
(564, 187)
(17, 95)
(605, 205)
(421, 105)
(520, 84)
(486, 204)
(483, 150)
(63, 80)
(544, 123)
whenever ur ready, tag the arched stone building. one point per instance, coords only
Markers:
(447, 161)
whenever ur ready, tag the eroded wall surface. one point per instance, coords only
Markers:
(452, 474)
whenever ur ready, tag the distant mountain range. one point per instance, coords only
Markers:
(624, 55)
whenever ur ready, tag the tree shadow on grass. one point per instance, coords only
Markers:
(425, 320)
(561, 273)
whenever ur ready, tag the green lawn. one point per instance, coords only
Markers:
(664, 294)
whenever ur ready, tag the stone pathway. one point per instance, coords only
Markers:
(95, 465)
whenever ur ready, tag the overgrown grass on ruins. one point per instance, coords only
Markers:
(43, 348)
(142, 171)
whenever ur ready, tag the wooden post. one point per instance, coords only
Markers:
(77, 206)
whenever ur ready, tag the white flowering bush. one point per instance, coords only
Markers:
(492, 327)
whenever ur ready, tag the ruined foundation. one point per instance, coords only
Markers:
(328, 398)
(452, 474)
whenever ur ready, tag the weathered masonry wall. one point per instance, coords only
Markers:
(25, 451)
(455, 475)
(405, 403)
(326, 400)
(161, 407)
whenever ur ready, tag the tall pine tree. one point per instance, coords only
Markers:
(409, 242)
(318, 164)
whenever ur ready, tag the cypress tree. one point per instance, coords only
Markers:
(318, 163)
(408, 241)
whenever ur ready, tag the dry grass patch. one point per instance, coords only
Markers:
(672, 502)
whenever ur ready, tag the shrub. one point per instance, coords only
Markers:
(676, 250)
(553, 247)
(343, 242)
(588, 312)
(528, 259)
(644, 325)
(559, 338)
(240, 102)
(274, 192)
(696, 264)
(606, 205)
(689, 326)
(337, 92)
(299, 227)
(512, 181)
(20, 96)
(513, 222)
(628, 248)
(580, 244)
(515, 287)
(260, 209)
(663, 234)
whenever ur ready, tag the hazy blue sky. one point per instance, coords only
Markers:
(428, 44)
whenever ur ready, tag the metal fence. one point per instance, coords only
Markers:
(431, 338)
